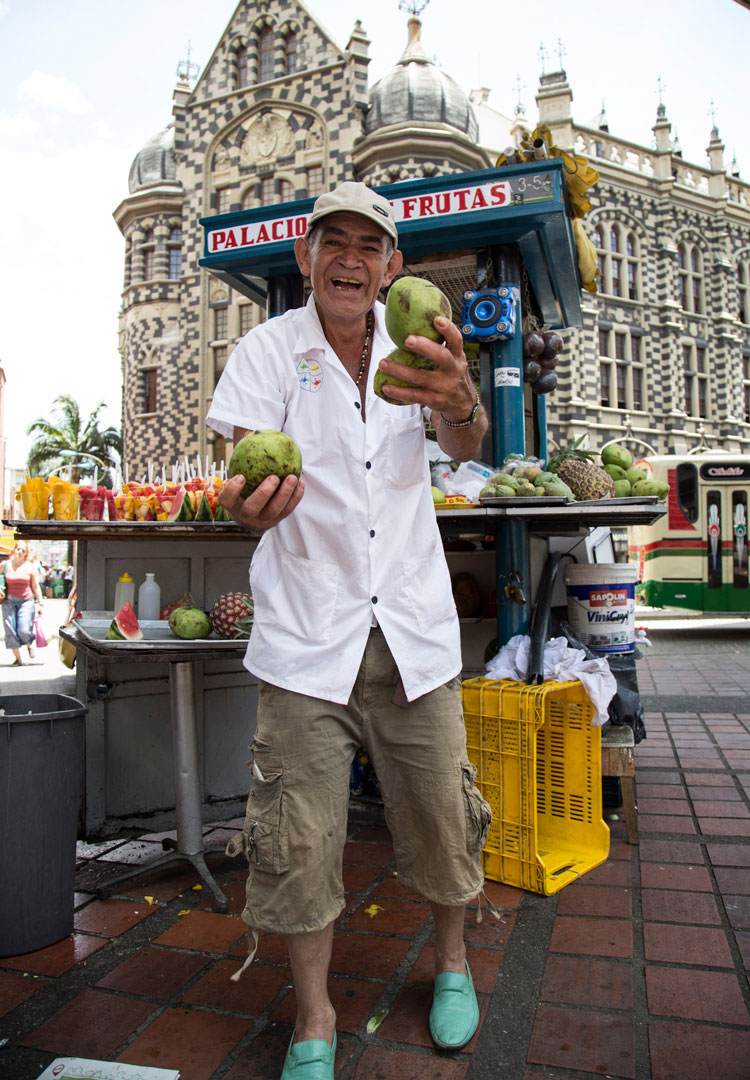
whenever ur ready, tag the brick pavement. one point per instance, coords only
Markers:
(639, 970)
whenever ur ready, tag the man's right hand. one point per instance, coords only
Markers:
(270, 503)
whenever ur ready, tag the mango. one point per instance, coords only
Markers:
(615, 454)
(634, 475)
(651, 487)
(438, 496)
(411, 307)
(408, 359)
(615, 471)
(622, 488)
(264, 453)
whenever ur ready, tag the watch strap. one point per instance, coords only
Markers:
(470, 419)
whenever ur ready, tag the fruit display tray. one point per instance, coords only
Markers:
(533, 500)
(156, 635)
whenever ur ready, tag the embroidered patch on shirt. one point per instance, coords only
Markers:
(310, 375)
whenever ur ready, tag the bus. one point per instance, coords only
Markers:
(695, 555)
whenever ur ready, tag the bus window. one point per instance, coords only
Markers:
(713, 517)
(739, 539)
(687, 490)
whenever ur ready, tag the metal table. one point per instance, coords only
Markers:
(159, 644)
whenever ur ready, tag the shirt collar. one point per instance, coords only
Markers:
(311, 337)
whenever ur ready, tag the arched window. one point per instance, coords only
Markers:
(175, 254)
(248, 199)
(267, 193)
(621, 369)
(290, 53)
(315, 181)
(242, 67)
(265, 54)
(618, 258)
(690, 278)
(148, 247)
(695, 374)
(286, 191)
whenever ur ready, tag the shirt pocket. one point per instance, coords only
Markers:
(406, 449)
(427, 587)
(301, 598)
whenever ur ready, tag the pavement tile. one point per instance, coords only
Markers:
(378, 956)
(596, 900)
(204, 931)
(584, 1041)
(731, 880)
(92, 1025)
(743, 944)
(134, 853)
(381, 1061)
(359, 854)
(663, 806)
(358, 879)
(250, 995)
(620, 849)
(490, 932)
(661, 876)
(675, 944)
(665, 823)
(386, 916)
(408, 1020)
(671, 905)
(164, 883)
(112, 917)
(574, 980)
(711, 780)
(658, 776)
(701, 760)
(724, 826)
(738, 911)
(729, 854)
(695, 995)
(154, 973)
(16, 987)
(704, 793)
(265, 1055)
(720, 808)
(192, 1041)
(505, 897)
(484, 965)
(670, 851)
(58, 958)
(353, 999)
(697, 1052)
(612, 872)
(592, 937)
(660, 791)
(391, 886)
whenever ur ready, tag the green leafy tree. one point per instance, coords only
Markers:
(69, 442)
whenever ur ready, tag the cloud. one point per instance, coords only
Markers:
(4, 8)
(15, 125)
(54, 92)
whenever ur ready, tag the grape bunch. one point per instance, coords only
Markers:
(540, 357)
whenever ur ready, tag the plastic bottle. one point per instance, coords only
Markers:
(124, 591)
(149, 599)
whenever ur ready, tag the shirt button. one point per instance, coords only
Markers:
(357, 404)
(372, 532)
(368, 464)
(374, 599)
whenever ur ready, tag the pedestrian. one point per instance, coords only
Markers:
(21, 590)
(355, 639)
(68, 579)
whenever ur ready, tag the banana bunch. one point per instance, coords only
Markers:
(579, 177)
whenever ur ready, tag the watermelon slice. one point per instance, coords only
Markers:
(182, 507)
(124, 626)
(203, 513)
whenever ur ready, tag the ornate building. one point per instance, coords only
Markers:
(281, 113)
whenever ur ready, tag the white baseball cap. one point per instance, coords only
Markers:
(357, 199)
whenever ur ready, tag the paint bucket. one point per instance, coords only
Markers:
(601, 605)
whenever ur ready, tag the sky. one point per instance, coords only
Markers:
(84, 84)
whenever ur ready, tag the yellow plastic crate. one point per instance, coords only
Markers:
(538, 762)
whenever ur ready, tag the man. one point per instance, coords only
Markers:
(355, 640)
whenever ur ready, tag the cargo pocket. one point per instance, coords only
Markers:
(478, 812)
(265, 835)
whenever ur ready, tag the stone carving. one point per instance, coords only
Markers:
(217, 290)
(221, 160)
(314, 138)
(269, 137)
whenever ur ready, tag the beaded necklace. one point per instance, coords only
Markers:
(366, 349)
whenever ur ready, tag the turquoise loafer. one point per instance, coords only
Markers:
(454, 1016)
(311, 1060)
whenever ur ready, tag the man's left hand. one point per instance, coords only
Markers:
(447, 389)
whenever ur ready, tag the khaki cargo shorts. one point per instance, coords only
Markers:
(296, 822)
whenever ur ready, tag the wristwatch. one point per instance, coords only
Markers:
(471, 417)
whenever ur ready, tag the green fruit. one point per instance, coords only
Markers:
(190, 623)
(650, 487)
(408, 359)
(502, 491)
(617, 472)
(622, 488)
(411, 307)
(634, 475)
(264, 453)
(438, 496)
(544, 478)
(203, 513)
(557, 487)
(614, 454)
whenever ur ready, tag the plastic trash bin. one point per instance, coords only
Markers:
(41, 773)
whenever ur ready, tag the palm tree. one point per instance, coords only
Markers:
(67, 442)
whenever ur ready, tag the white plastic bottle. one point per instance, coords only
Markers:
(149, 599)
(124, 591)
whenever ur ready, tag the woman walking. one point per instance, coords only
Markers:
(21, 589)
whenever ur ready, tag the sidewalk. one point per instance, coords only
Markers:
(638, 971)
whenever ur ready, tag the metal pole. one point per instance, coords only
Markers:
(185, 758)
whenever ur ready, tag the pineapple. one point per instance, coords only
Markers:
(576, 468)
(232, 615)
